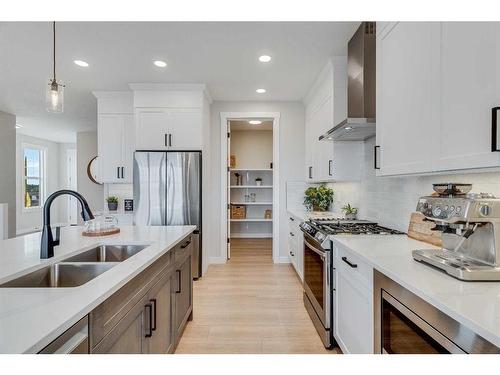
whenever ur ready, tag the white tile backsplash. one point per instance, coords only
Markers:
(122, 191)
(390, 200)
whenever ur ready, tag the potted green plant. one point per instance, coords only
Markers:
(112, 203)
(318, 198)
(258, 181)
(350, 211)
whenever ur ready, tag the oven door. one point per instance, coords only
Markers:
(317, 279)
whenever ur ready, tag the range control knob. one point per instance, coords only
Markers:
(484, 210)
(436, 211)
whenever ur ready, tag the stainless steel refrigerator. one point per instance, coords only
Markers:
(167, 191)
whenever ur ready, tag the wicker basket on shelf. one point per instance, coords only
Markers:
(238, 211)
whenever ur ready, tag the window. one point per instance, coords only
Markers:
(33, 176)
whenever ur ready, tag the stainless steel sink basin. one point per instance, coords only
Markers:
(107, 253)
(60, 275)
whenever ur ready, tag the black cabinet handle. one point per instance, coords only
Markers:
(170, 140)
(352, 265)
(330, 169)
(117, 172)
(375, 158)
(166, 140)
(291, 234)
(150, 329)
(153, 302)
(310, 172)
(185, 245)
(494, 129)
(292, 253)
(292, 219)
(178, 281)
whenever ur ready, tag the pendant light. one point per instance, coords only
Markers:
(54, 98)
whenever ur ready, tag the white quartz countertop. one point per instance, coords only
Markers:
(303, 214)
(474, 304)
(31, 318)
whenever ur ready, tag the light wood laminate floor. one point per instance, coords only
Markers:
(250, 305)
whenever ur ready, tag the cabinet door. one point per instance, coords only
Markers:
(407, 105)
(186, 129)
(470, 87)
(183, 295)
(152, 129)
(128, 149)
(160, 297)
(128, 336)
(353, 313)
(110, 147)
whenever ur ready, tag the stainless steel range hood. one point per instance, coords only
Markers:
(360, 122)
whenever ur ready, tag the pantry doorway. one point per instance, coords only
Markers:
(250, 176)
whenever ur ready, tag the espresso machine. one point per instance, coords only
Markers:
(470, 226)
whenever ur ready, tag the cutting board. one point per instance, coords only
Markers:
(421, 230)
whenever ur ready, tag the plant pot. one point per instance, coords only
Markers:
(318, 209)
(350, 216)
(112, 206)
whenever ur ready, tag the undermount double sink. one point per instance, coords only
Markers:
(76, 270)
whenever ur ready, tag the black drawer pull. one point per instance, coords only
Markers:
(291, 234)
(178, 281)
(292, 253)
(330, 169)
(375, 157)
(153, 326)
(185, 245)
(292, 219)
(494, 129)
(352, 265)
(150, 308)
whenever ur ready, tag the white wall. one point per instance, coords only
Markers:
(253, 149)
(8, 167)
(291, 162)
(86, 149)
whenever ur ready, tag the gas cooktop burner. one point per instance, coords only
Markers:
(333, 227)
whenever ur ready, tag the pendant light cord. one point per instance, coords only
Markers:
(54, 44)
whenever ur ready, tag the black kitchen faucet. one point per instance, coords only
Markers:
(48, 242)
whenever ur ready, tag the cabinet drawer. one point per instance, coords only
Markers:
(105, 316)
(183, 250)
(353, 265)
(74, 341)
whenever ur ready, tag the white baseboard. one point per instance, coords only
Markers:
(251, 235)
(283, 259)
(216, 260)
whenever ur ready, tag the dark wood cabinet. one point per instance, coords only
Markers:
(183, 287)
(161, 298)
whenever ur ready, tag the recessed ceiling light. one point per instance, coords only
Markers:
(160, 64)
(260, 91)
(18, 126)
(81, 63)
(264, 58)
(330, 138)
(348, 128)
(255, 122)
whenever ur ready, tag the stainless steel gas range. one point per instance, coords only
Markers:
(319, 267)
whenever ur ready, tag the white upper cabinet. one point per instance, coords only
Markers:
(436, 86)
(326, 106)
(115, 136)
(170, 117)
(470, 88)
(406, 107)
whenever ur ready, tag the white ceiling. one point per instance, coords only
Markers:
(221, 54)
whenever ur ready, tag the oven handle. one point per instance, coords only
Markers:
(311, 247)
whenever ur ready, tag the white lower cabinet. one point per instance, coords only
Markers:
(353, 328)
(295, 245)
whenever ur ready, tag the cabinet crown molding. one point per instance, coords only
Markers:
(173, 87)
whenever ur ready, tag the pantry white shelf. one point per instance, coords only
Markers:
(251, 219)
(252, 203)
(251, 187)
(250, 170)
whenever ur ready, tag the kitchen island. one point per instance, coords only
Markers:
(32, 318)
